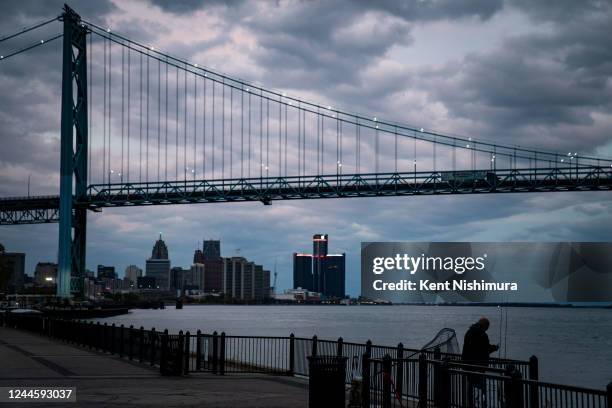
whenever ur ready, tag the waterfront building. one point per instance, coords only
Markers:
(45, 273)
(13, 280)
(158, 266)
(198, 256)
(320, 271)
(146, 282)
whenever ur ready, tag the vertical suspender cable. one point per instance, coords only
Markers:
(158, 120)
(104, 118)
(213, 128)
(166, 126)
(223, 129)
(147, 131)
(231, 150)
(140, 121)
(90, 101)
(280, 123)
(261, 162)
(249, 137)
(185, 123)
(122, 105)
(176, 127)
(299, 141)
(241, 134)
(110, 71)
(204, 130)
(195, 124)
(286, 108)
(129, 98)
(267, 135)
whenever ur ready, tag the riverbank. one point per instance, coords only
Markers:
(102, 380)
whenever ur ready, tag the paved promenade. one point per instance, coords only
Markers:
(103, 380)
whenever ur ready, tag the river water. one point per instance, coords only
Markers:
(574, 346)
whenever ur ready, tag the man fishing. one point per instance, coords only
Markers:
(476, 351)
(476, 346)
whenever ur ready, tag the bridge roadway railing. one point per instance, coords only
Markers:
(391, 376)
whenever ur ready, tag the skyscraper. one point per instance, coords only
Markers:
(320, 271)
(198, 256)
(211, 249)
(158, 266)
(132, 273)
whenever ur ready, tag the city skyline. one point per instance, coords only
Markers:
(397, 62)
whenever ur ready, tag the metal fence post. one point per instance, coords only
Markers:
(141, 345)
(198, 350)
(534, 397)
(441, 384)
(152, 338)
(121, 340)
(313, 352)
(386, 374)
(609, 394)
(112, 335)
(422, 380)
(180, 348)
(399, 374)
(339, 347)
(291, 354)
(104, 337)
(215, 356)
(514, 389)
(222, 355)
(130, 341)
(365, 380)
(187, 353)
(369, 348)
(98, 336)
(163, 357)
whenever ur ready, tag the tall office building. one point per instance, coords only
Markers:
(106, 272)
(302, 271)
(14, 276)
(132, 273)
(211, 249)
(320, 271)
(158, 266)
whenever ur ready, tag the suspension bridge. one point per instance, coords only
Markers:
(141, 127)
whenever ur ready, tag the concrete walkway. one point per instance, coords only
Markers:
(103, 380)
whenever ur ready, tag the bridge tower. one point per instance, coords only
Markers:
(73, 165)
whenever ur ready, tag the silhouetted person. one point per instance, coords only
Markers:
(476, 350)
(476, 346)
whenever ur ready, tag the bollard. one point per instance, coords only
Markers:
(291, 354)
(422, 380)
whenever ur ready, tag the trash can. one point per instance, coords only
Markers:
(326, 381)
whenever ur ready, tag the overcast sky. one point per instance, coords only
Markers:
(522, 72)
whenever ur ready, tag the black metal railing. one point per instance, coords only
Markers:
(391, 376)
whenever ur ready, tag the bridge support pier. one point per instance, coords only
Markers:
(73, 166)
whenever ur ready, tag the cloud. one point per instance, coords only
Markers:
(543, 80)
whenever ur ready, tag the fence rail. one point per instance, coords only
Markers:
(390, 376)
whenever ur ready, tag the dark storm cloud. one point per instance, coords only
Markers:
(189, 6)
